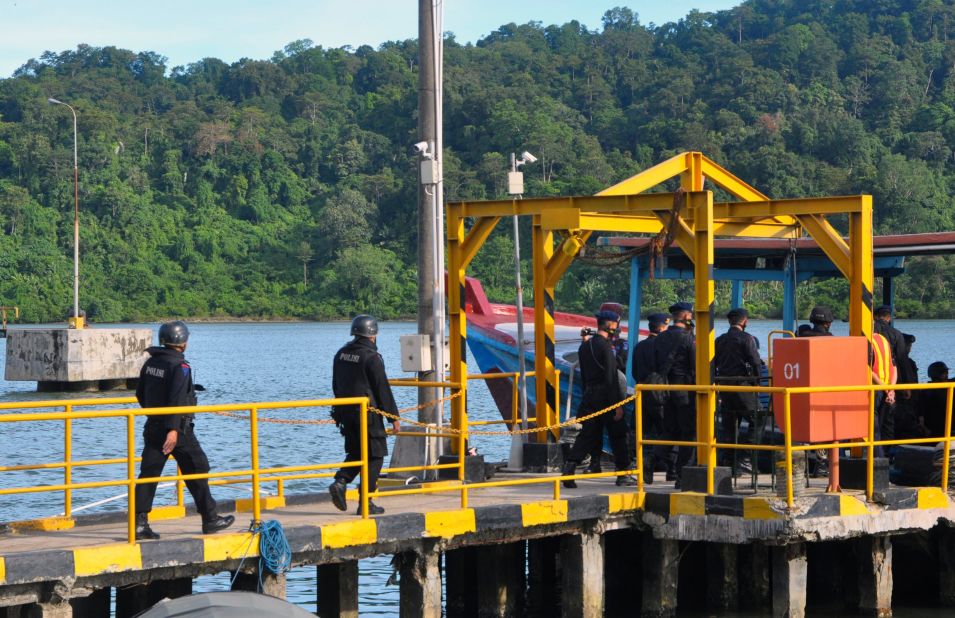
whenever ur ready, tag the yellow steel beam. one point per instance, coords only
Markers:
(476, 238)
(754, 230)
(830, 241)
(731, 183)
(682, 233)
(564, 256)
(573, 219)
(861, 280)
(457, 318)
(765, 211)
(788, 207)
(650, 177)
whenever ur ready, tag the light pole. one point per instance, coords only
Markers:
(77, 320)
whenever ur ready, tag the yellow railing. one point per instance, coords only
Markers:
(256, 474)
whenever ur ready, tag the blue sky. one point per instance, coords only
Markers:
(185, 31)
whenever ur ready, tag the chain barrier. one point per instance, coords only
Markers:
(442, 400)
(328, 421)
(516, 432)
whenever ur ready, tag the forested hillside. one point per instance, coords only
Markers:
(216, 190)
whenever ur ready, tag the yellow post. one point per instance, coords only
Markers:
(68, 461)
(638, 422)
(702, 209)
(254, 428)
(544, 358)
(788, 438)
(870, 450)
(131, 475)
(363, 492)
(515, 418)
(457, 320)
(948, 438)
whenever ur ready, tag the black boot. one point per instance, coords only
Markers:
(373, 509)
(626, 481)
(143, 531)
(570, 468)
(219, 523)
(337, 490)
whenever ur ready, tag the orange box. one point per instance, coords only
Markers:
(823, 361)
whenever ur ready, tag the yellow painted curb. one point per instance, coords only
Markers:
(447, 524)
(544, 512)
(358, 532)
(3, 570)
(229, 546)
(850, 505)
(244, 505)
(687, 503)
(47, 524)
(759, 508)
(107, 559)
(167, 512)
(932, 498)
(626, 502)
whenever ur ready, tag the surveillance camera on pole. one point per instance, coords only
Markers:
(515, 186)
(515, 179)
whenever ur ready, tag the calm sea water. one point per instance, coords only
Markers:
(268, 362)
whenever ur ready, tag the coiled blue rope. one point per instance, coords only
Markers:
(274, 551)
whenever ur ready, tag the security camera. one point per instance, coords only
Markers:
(421, 148)
(528, 157)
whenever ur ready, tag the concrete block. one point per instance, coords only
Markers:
(853, 472)
(76, 355)
(694, 479)
(722, 579)
(473, 468)
(755, 591)
(272, 584)
(546, 457)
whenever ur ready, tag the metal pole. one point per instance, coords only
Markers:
(77, 322)
(521, 368)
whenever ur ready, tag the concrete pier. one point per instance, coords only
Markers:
(599, 550)
(85, 359)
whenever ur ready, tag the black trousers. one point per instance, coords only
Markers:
(591, 436)
(679, 422)
(191, 459)
(353, 453)
(733, 408)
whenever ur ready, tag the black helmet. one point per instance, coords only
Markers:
(364, 326)
(173, 333)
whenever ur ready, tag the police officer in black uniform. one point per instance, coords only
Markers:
(359, 371)
(674, 354)
(598, 373)
(821, 319)
(165, 381)
(643, 366)
(736, 359)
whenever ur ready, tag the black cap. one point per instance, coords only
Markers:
(607, 316)
(821, 314)
(656, 319)
(883, 310)
(937, 369)
(680, 306)
(737, 314)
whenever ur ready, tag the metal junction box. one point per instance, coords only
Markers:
(416, 353)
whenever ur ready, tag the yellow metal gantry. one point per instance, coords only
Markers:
(626, 208)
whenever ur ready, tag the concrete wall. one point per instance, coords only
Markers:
(75, 355)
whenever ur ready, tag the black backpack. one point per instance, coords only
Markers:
(660, 398)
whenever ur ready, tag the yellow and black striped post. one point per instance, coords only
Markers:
(457, 333)
(545, 380)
